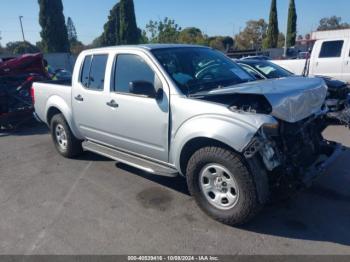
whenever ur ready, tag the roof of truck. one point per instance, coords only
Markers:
(147, 46)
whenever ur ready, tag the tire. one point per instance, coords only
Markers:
(69, 146)
(242, 201)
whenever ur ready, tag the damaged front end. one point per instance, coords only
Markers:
(291, 149)
(294, 153)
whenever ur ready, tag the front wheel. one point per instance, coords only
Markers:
(222, 185)
(65, 142)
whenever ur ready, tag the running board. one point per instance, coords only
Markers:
(134, 161)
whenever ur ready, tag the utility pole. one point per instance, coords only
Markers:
(20, 21)
(285, 44)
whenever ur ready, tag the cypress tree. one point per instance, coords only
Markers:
(272, 31)
(110, 35)
(54, 31)
(292, 24)
(72, 32)
(129, 33)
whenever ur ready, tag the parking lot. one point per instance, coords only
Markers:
(51, 205)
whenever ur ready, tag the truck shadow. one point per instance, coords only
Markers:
(175, 183)
(28, 128)
(320, 213)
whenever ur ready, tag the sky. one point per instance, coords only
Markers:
(213, 17)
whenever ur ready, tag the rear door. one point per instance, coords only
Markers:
(88, 97)
(138, 123)
(329, 58)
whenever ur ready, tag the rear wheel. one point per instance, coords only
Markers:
(65, 142)
(222, 185)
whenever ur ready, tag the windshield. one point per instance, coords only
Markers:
(196, 69)
(270, 70)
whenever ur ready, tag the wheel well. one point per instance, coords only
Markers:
(194, 145)
(51, 113)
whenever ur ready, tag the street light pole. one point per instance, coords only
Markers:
(285, 43)
(20, 21)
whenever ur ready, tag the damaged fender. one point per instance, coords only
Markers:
(234, 133)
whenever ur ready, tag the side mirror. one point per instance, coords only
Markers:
(144, 88)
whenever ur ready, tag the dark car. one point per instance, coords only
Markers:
(338, 91)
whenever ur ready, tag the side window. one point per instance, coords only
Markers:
(85, 71)
(131, 68)
(251, 71)
(97, 72)
(331, 49)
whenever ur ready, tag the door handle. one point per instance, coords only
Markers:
(112, 104)
(79, 98)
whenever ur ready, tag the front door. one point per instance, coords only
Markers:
(138, 123)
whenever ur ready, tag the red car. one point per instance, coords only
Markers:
(16, 78)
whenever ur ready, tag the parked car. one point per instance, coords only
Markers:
(190, 110)
(258, 57)
(329, 57)
(337, 98)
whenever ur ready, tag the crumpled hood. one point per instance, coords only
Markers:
(292, 99)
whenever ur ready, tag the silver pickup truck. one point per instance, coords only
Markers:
(190, 110)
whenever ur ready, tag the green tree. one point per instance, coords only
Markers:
(143, 39)
(54, 31)
(228, 42)
(75, 45)
(253, 35)
(111, 34)
(21, 47)
(281, 40)
(292, 24)
(97, 42)
(163, 31)
(332, 23)
(272, 31)
(128, 31)
(192, 35)
(71, 30)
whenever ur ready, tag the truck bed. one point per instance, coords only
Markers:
(296, 66)
(48, 93)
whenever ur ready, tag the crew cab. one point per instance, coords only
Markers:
(190, 110)
(329, 57)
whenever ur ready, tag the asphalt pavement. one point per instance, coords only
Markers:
(51, 205)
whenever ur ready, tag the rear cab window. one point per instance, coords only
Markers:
(85, 71)
(331, 49)
(93, 72)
